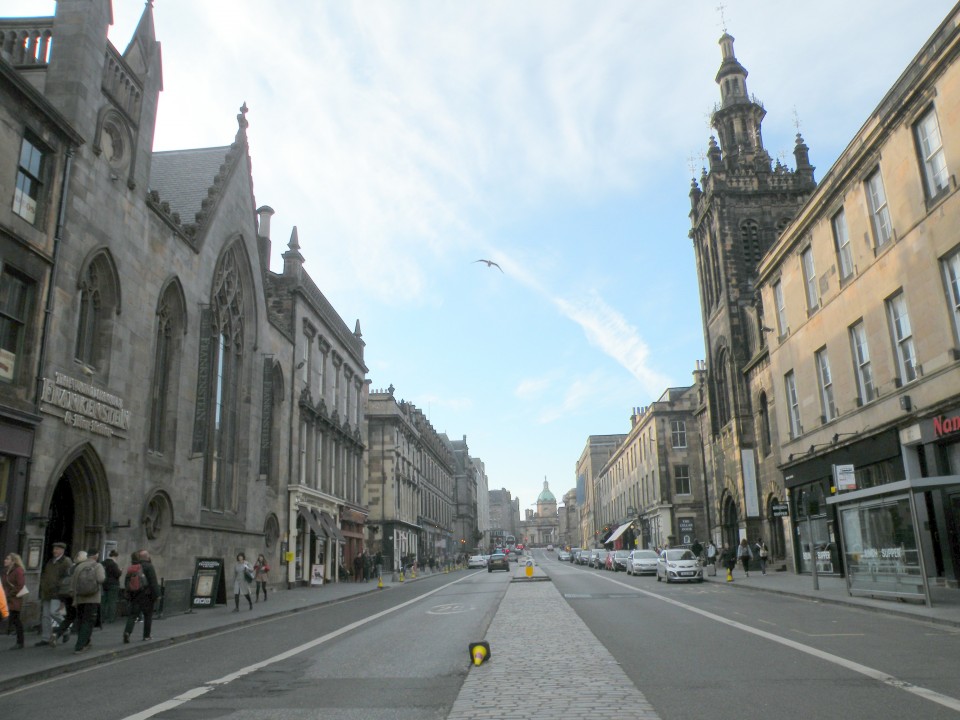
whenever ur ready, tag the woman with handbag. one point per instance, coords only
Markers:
(242, 577)
(15, 589)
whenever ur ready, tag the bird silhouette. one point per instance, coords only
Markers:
(490, 263)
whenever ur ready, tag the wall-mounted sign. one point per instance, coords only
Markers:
(845, 477)
(84, 406)
(780, 510)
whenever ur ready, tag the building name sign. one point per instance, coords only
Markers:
(84, 406)
(946, 425)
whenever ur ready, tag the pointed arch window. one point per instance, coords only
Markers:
(722, 390)
(166, 365)
(98, 298)
(224, 359)
(765, 439)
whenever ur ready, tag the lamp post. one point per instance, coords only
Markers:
(806, 506)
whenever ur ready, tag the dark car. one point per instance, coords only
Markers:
(498, 561)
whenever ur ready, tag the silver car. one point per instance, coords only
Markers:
(619, 560)
(679, 565)
(642, 562)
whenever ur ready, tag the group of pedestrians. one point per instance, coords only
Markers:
(744, 554)
(244, 576)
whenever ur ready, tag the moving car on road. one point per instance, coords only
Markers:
(642, 562)
(679, 565)
(498, 561)
(476, 561)
(563, 555)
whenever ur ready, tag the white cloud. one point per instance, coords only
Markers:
(531, 387)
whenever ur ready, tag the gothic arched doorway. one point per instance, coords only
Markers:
(730, 527)
(79, 506)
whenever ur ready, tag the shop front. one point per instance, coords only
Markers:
(811, 486)
(889, 536)
(318, 547)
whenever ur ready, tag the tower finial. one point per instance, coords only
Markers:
(721, 8)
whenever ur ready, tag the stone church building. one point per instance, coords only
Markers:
(169, 349)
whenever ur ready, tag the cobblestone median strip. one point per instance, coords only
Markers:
(545, 663)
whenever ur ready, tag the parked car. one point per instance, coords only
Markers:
(619, 561)
(585, 557)
(563, 555)
(498, 561)
(608, 560)
(642, 562)
(678, 564)
(573, 554)
(476, 561)
(598, 558)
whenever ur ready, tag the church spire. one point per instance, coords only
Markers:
(738, 117)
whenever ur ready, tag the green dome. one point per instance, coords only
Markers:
(546, 495)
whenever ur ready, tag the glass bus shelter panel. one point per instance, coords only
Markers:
(881, 550)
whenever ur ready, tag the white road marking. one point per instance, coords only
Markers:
(211, 684)
(879, 675)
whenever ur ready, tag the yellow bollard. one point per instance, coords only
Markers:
(401, 576)
(729, 575)
(379, 583)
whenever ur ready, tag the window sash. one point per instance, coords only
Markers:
(877, 199)
(681, 476)
(861, 363)
(902, 338)
(781, 307)
(678, 433)
(793, 404)
(826, 386)
(842, 240)
(26, 196)
(931, 153)
(810, 279)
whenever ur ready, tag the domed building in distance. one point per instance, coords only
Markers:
(542, 528)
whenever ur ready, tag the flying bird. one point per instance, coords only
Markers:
(490, 263)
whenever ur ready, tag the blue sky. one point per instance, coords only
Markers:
(405, 140)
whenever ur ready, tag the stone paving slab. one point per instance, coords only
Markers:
(536, 634)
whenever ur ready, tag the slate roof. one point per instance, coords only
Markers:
(182, 177)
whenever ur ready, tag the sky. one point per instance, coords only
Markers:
(407, 140)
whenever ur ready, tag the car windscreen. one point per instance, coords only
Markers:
(645, 555)
(674, 555)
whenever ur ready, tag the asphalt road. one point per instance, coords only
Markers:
(397, 655)
(712, 651)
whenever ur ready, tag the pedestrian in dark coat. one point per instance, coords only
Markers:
(13, 580)
(260, 570)
(141, 602)
(52, 605)
(745, 555)
(111, 588)
(728, 558)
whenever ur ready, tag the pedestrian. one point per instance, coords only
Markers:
(51, 605)
(697, 549)
(357, 567)
(728, 558)
(13, 586)
(140, 582)
(260, 570)
(763, 553)
(712, 555)
(88, 575)
(4, 608)
(111, 587)
(745, 555)
(378, 563)
(65, 591)
(242, 577)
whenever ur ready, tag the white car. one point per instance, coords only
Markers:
(642, 562)
(476, 561)
(679, 565)
(563, 555)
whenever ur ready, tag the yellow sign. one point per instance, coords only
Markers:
(289, 557)
(529, 570)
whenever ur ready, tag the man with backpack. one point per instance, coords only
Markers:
(87, 578)
(143, 590)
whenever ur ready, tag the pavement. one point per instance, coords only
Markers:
(532, 637)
